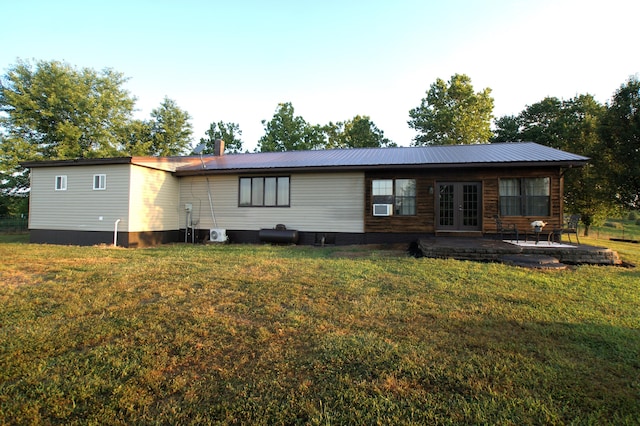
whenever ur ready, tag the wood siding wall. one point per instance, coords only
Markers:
(319, 202)
(424, 220)
(80, 207)
(153, 199)
(421, 222)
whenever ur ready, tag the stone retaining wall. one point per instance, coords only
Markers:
(492, 250)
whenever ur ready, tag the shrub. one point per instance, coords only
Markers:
(614, 225)
(633, 215)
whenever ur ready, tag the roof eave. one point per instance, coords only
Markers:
(76, 162)
(309, 169)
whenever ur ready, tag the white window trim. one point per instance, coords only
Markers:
(63, 183)
(102, 182)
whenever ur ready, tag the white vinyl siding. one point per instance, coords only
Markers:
(153, 200)
(79, 208)
(319, 202)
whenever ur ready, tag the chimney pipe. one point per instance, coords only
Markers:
(218, 148)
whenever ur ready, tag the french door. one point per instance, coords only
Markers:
(459, 206)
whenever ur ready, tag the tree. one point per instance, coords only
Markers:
(621, 135)
(59, 112)
(170, 129)
(53, 111)
(137, 138)
(228, 132)
(287, 132)
(507, 129)
(545, 121)
(452, 113)
(359, 132)
(588, 189)
(570, 125)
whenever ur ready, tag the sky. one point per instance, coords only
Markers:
(235, 61)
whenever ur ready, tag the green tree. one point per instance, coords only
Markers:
(359, 132)
(228, 132)
(573, 126)
(452, 113)
(545, 121)
(588, 189)
(507, 129)
(137, 138)
(52, 111)
(57, 112)
(621, 134)
(13, 178)
(287, 132)
(170, 129)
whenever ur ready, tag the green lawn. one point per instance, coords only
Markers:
(242, 334)
(616, 228)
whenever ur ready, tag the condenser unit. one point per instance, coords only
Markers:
(217, 235)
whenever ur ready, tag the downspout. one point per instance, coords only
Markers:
(115, 233)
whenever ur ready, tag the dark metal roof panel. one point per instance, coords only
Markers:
(424, 156)
(498, 154)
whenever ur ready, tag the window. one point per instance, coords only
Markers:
(61, 183)
(405, 202)
(525, 197)
(272, 191)
(99, 182)
(399, 192)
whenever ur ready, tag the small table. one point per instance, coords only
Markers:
(537, 230)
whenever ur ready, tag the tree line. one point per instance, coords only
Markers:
(50, 110)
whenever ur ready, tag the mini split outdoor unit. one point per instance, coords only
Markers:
(217, 235)
(382, 209)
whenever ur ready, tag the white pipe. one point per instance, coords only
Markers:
(115, 233)
(213, 215)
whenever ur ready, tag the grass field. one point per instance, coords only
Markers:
(242, 334)
(617, 228)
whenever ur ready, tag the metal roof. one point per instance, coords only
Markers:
(481, 155)
(169, 164)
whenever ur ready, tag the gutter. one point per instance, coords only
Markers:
(309, 169)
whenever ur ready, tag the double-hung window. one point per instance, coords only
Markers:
(99, 182)
(61, 183)
(401, 193)
(525, 196)
(264, 191)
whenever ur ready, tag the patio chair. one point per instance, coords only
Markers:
(571, 228)
(506, 228)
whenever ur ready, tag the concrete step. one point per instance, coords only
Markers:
(538, 261)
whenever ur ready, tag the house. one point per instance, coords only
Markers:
(352, 196)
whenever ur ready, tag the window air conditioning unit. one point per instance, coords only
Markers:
(217, 235)
(382, 209)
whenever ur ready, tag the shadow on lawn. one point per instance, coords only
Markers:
(512, 371)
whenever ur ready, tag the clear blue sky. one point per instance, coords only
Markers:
(236, 60)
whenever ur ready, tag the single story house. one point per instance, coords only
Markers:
(350, 196)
